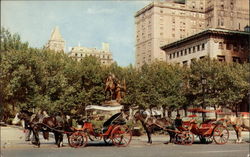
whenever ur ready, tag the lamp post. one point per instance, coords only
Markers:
(203, 82)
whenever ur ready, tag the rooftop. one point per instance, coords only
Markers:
(206, 32)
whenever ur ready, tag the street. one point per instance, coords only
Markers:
(15, 146)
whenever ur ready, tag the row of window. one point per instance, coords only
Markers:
(220, 58)
(98, 56)
(187, 51)
(228, 46)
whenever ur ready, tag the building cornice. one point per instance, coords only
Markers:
(203, 33)
(161, 5)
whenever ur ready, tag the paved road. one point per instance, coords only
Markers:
(14, 146)
(155, 150)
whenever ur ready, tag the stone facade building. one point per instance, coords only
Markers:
(104, 54)
(163, 22)
(224, 45)
(56, 41)
(227, 14)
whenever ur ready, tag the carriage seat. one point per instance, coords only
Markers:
(116, 119)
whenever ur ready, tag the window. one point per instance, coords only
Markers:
(185, 63)
(203, 46)
(173, 20)
(236, 59)
(185, 52)
(198, 47)
(235, 48)
(202, 57)
(222, 22)
(194, 49)
(228, 46)
(173, 55)
(76, 54)
(181, 53)
(220, 45)
(189, 50)
(170, 56)
(221, 58)
(178, 54)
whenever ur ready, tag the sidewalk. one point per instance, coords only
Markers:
(13, 137)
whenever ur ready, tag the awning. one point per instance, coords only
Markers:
(104, 108)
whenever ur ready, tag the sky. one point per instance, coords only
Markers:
(86, 22)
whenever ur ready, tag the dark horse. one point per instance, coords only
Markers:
(151, 124)
(55, 124)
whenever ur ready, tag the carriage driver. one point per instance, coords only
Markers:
(178, 123)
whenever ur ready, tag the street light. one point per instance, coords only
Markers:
(203, 82)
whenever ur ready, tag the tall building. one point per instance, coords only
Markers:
(221, 44)
(163, 22)
(103, 54)
(227, 14)
(56, 41)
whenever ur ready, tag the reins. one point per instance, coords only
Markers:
(53, 129)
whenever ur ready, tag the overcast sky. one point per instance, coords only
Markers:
(86, 22)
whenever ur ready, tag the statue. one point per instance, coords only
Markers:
(114, 89)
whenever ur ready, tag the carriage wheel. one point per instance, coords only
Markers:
(107, 140)
(121, 135)
(78, 139)
(220, 134)
(187, 137)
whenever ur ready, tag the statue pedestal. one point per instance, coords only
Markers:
(111, 103)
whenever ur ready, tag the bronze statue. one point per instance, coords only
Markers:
(114, 89)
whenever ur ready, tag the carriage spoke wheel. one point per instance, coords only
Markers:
(187, 138)
(220, 134)
(121, 136)
(107, 140)
(78, 139)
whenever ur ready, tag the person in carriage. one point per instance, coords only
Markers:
(178, 123)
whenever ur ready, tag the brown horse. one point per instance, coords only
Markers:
(151, 124)
(238, 123)
(55, 124)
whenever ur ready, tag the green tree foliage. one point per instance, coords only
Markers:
(43, 79)
(226, 83)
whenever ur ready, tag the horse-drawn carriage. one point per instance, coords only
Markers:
(113, 131)
(209, 130)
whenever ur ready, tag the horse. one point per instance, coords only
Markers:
(151, 124)
(26, 118)
(238, 123)
(55, 124)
